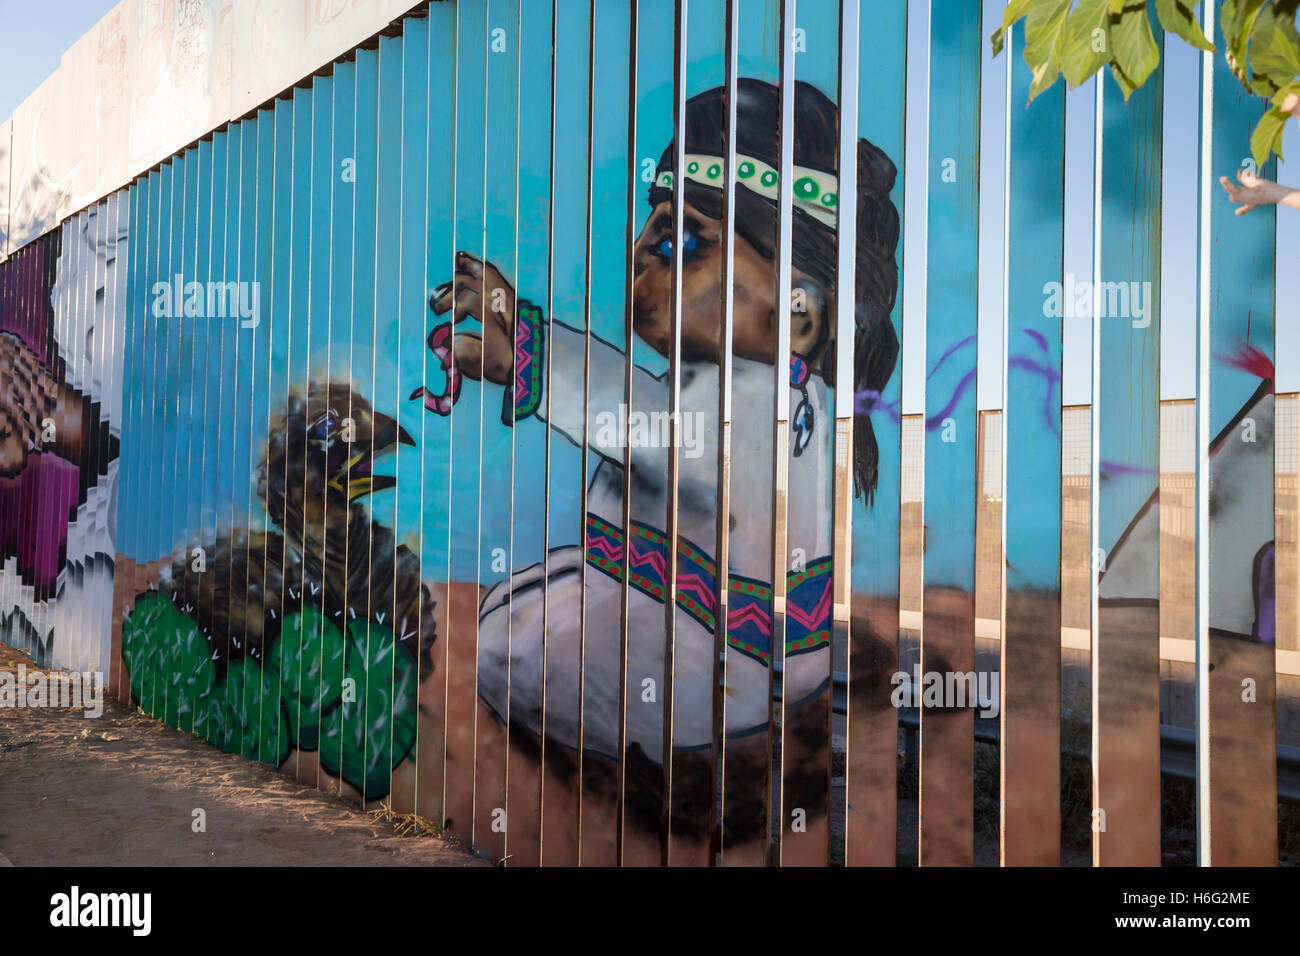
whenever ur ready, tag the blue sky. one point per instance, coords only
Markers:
(33, 37)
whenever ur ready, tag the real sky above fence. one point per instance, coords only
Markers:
(33, 38)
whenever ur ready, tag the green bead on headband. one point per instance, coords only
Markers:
(815, 192)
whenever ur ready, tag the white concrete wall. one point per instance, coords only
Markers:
(151, 77)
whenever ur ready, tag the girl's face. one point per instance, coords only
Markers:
(756, 314)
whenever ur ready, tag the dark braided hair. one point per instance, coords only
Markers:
(816, 121)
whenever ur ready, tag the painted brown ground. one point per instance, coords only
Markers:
(120, 790)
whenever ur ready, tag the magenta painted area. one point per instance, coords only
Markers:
(47, 483)
(26, 315)
(9, 497)
(1252, 360)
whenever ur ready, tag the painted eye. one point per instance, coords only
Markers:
(690, 245)
(322, 431)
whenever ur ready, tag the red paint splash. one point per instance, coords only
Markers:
(1252, 360)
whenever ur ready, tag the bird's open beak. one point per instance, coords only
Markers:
(387, 434)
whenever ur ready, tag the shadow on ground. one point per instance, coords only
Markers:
(122, 790)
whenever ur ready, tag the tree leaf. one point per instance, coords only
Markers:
(1274, 53)
(1280, 96)
(1080, 60)
(1237, 20)
(1014, 11)
(1133, 49)
(1045, 28)
(1179, 16)
(1267, 136)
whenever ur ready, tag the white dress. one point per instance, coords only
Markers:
(511, 615)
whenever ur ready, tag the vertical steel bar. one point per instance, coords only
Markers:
(628, 333)
(437, 468)
(1126, 462)
(462, 615)
(500, 231)
(1236, 629)
(1030, 704)
(948, 614)
(668, 687)
(776, 825)
(726, 338)
(871, 791)
(528, 484)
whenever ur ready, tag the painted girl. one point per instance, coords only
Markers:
(515, 337)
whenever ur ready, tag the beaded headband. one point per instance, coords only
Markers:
(815, 192)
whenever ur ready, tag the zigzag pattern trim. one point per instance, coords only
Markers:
(526, 396)
(749, 618)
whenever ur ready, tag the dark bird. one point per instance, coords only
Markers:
(317, 467)
(257, 571)
(323, 551)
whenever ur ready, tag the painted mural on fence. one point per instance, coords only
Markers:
(304, 625)
(392, 388)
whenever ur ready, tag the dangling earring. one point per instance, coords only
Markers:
(803, 420)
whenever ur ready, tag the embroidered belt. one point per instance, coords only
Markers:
(749, 620)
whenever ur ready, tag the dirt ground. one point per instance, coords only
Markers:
(121, 790)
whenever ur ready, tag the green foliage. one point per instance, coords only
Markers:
(1078, 38)
(301, 697)
(1264, 53)
(1135, 54)
(1083, 55)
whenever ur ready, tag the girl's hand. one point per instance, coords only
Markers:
(479, 291)
(1253, 191)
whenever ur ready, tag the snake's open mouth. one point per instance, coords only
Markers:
(440, 344)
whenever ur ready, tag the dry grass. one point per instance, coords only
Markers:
(404, 824)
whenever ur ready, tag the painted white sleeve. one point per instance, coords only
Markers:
(604, 399)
